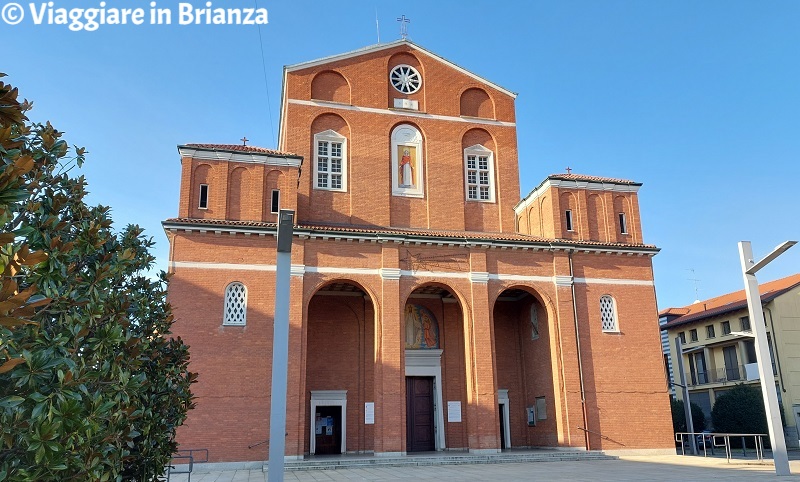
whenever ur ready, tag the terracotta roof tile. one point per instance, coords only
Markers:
(469, 235)
(582, 177)
(239, 148)
(729, 302)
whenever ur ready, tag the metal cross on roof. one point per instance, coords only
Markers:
(244, 140)
(569, 170)
(403, 26)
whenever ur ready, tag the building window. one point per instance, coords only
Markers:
(203, 204)
(608, 314)
(405, 79)
(693, 334)
(710, 331)
(479, 173)
(726, 327)
(745, 322)
(682, 336)
(623, 225)
(534, 323)
(235, 305)
(568, 214)
(330, 161)
(276, 201)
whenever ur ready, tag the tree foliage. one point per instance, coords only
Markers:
(679, 417)
(92, 387)
(740, 410)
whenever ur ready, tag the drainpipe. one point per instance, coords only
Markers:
(578, 345)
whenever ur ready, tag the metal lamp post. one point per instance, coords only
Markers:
(749, 269)
(280, 347)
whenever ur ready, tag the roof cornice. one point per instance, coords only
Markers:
(322, 232)
(572, 184)
(209, 154)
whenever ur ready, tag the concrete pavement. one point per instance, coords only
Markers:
(629, 468)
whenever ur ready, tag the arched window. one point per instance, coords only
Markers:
(330, 161)
(608, 314)
(479, 173)
(235, 305)
(407, 175)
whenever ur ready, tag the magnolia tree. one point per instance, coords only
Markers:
(92, 385)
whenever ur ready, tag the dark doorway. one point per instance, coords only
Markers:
(419, 414)
(502, 428)
(328, 430)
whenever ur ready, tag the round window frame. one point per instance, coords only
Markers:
(415, 71)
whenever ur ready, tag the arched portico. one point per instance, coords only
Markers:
(523, 360)
(432, 328)
(339, 368)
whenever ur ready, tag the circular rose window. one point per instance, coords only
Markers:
(405, 79)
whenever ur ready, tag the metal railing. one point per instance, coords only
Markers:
(720, 375)
(721, 440)
(187, 455)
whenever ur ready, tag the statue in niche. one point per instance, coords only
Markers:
(406, 168)
(422, 329)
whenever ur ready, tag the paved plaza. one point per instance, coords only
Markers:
(666, 467)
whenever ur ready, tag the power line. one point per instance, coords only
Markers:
(266, 83)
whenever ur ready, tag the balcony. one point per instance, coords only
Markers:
(735, 374)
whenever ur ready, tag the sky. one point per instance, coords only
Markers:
(699, 101)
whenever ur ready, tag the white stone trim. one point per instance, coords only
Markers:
(612, 281)
(479, 277)
(390, 273)
(428, 363)
(563, 280)
(390, 45)
(564, 184)
(400, 113)
(209, 154)
(328, 398)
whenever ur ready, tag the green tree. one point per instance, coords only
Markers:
(740, 410)
(679, 417)
(92, 387)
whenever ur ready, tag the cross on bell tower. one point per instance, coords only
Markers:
(403, 26)
(569, 170)
(244, 140)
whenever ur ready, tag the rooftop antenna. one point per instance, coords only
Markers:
(696, 288)
(377, 25)
(403, 26)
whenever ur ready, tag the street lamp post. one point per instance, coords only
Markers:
(749, 269)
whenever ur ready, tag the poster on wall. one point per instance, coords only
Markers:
(369, 413)
(453, 411)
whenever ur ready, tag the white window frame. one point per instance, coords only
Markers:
(226, 321)
(330, 136)
(570, 223)
(623, 223)
(408, 135)
(614, 316)
(479, 151)
(200, 197)
(271, 197)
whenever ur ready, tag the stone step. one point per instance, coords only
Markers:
(333, 464)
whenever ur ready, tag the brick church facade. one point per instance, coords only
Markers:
(431, 308)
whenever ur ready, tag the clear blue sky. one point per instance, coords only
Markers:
(700, 101)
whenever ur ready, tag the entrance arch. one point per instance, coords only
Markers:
(339, 371)
(432, 327)
(522, 352)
